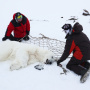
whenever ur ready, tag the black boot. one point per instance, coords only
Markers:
(84, 75)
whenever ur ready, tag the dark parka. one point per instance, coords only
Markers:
(20, 29)
(77, 42)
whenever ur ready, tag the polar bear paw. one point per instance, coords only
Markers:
(15, 67)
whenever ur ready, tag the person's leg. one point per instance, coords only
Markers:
(18, 39)
(74, 65)
(11, 37)
(85, 64)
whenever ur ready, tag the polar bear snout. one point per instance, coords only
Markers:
(50, 61)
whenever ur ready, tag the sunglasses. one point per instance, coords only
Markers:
(19, 17)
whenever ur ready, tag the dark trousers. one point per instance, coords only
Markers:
(12, 38)
(77, 66)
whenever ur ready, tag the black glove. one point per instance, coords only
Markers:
(4, 38)
(58, 62)
(11, 37)
(26, 38)
(28, 32)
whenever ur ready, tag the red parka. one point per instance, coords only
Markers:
(19, 29)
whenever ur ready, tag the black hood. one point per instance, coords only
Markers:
(77, 28)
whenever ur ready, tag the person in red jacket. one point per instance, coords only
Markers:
(20, 26)
(78, 43)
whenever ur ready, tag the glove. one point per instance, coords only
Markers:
(26, 38)
(4, 38)
(28, 32)
(58, 62)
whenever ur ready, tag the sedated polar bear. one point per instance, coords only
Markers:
(23, 54)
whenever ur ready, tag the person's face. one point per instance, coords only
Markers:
(66, 31)
(19, 18)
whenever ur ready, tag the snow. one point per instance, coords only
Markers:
(39, 10)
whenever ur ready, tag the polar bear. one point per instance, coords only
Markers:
(23, 54)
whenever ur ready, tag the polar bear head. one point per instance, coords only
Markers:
(49, 57)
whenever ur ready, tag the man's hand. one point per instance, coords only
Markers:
(58, 62)
(26, 38)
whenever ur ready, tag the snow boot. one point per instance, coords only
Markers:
(84, 75)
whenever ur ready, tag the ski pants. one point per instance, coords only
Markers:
(12, 38)
(77, 66)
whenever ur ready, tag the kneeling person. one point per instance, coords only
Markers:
(78, 43)
(20, 25)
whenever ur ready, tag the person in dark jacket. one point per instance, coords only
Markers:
(78, 43)
(20, 26)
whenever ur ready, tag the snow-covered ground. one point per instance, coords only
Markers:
(46, 19)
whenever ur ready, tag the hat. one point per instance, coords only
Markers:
(67, 28)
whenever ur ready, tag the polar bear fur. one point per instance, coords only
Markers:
(23, 54)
